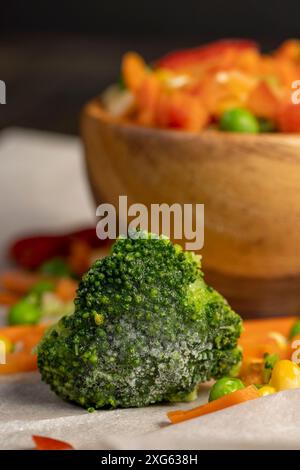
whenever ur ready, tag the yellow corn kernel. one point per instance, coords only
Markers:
(285, 375)
(8, 345)
(99, 318)
(266, 390)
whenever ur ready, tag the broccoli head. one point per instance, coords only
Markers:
(146, 329)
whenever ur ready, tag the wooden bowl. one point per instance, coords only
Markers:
(250, 185)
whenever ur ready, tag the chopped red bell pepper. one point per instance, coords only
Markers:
(87, 235)
(184, 58)
(32, 252)
(47, 443)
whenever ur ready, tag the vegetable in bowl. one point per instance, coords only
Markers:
(146, 329)
(194, 89)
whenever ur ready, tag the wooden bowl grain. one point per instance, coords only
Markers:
(250, 185)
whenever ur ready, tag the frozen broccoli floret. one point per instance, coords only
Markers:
(146, 329)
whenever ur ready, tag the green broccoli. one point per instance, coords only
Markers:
(146, 329)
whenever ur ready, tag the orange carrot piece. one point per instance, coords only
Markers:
(23, 360)
(19, 282)
(8, 299)
(293, 349)
(18, 362)
(134, 70)
(21, 332)
(258, 337)
(258, 346)
(66, 289)
(147, 97)
(263, 102)
(47, 443)
(178, 110)
(289, 50)
(281, 325)
(234, 398)
(79, 258)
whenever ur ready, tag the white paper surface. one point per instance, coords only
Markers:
(28, 407)
(43, 187)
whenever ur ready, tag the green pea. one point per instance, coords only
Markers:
(41, 287)
(295, 330)
(224, 386)
(239, 120)
(25, 312)
(56, 267)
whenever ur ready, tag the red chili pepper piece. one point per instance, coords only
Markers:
(47, 443)
(186, 57)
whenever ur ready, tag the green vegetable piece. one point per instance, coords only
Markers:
(56, 267)
(239, 120)
(269, 363)
(25, 312)
(41, 287)
(295, 330)
(165, 330)
(224, 386)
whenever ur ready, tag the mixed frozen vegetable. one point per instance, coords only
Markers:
(229, 85)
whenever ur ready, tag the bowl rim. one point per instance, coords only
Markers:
(95, 109)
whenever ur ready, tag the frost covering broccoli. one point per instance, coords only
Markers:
(146, 329)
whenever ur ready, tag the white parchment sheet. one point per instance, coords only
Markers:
(27, 406)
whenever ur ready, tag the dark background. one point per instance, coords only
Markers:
(54, 56)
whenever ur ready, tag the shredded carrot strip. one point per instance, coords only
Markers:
(234, 398)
